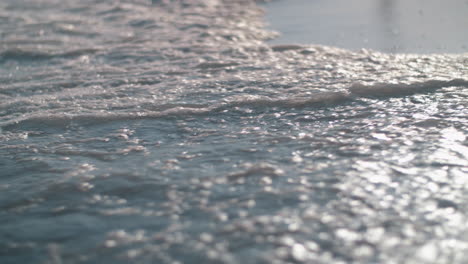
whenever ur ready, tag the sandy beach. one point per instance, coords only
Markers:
(415, 26)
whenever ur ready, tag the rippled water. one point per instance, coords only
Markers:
(172, 132)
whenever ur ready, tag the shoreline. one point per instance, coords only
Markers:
(415, 26)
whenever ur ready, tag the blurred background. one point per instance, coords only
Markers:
(413, 26)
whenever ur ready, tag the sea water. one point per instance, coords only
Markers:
(174, 132)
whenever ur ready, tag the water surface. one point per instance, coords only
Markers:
(173, 132)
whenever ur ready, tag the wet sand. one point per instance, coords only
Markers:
(397, 26)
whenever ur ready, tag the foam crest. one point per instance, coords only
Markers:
(390, 89)
(319, 99)
(17, 54)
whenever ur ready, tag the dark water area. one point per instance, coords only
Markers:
(137, 131)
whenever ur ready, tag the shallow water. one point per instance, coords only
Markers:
(173, 132)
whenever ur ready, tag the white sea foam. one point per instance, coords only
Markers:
(331, 99)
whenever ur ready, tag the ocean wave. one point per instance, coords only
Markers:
(390, 89)
(16, 54)
(171, 131)
(229, 104)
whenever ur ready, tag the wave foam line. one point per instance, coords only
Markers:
(403, 89)
(31, 55)
(354, 92)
